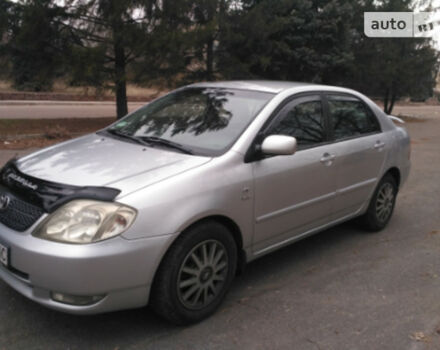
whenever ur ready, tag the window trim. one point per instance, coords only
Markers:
(329, 120)
(253, 153)
(292, 104)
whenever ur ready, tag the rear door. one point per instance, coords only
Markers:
(360, 147)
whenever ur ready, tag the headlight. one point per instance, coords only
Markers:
(86, 221)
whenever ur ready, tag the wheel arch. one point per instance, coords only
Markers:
(232, 227)
(395, 173)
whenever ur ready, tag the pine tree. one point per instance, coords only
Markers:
(288, 40)
(391, 68)
(36, 44)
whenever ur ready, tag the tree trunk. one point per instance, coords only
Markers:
(210, 59)
(120, 63)
(121, 100)
(393, 98)
(392, 102)
(120, 81)
(390, 99)
(385, 100)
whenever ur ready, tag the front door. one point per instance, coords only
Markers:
(294, 194)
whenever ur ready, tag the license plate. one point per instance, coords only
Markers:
(4, 255)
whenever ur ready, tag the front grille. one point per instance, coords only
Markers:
(19, 215)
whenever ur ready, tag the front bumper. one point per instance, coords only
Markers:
(118, 268)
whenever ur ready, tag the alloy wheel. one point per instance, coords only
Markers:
(202, 275)
(385, 202)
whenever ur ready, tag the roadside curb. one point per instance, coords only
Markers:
(63, 103)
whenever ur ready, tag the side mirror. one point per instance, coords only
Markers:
(279, 145)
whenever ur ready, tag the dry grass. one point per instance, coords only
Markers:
(56, 132)
(11, 128)
(23, 133)
(5, 86)
(61, 87)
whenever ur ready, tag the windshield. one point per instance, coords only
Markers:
(203, 120)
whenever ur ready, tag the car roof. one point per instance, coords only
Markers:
(271, 86)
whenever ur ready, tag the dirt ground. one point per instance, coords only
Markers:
(60, 110)
(22, 133)
(62, 91)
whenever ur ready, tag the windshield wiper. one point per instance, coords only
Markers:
(149, 140)
(167, 143)
(126, 136)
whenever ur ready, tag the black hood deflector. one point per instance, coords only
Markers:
(49, 195)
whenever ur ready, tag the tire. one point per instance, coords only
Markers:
(381, 205)
(195, 274)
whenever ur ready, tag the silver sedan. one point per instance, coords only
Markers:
(165, 206)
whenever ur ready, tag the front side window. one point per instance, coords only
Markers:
(204, 120)
(302, 120)
(350, 117)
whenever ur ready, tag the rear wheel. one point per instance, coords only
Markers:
(381, 205)
(195, 274)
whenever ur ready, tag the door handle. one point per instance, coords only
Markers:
(327, 158)
(379, 145)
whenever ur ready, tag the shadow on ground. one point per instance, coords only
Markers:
(128, 327)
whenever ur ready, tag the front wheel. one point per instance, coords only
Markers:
(195, 274)
(381, 205)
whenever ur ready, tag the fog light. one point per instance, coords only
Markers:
(79, 300)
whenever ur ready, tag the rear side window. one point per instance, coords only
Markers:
(350, 117)
(302, 120)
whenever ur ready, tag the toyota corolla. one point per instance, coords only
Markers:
(166, 205)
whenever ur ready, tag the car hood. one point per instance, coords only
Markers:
(95, 160)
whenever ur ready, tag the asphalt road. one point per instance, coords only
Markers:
(340, 289)
(78, 109)
(59, 109)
